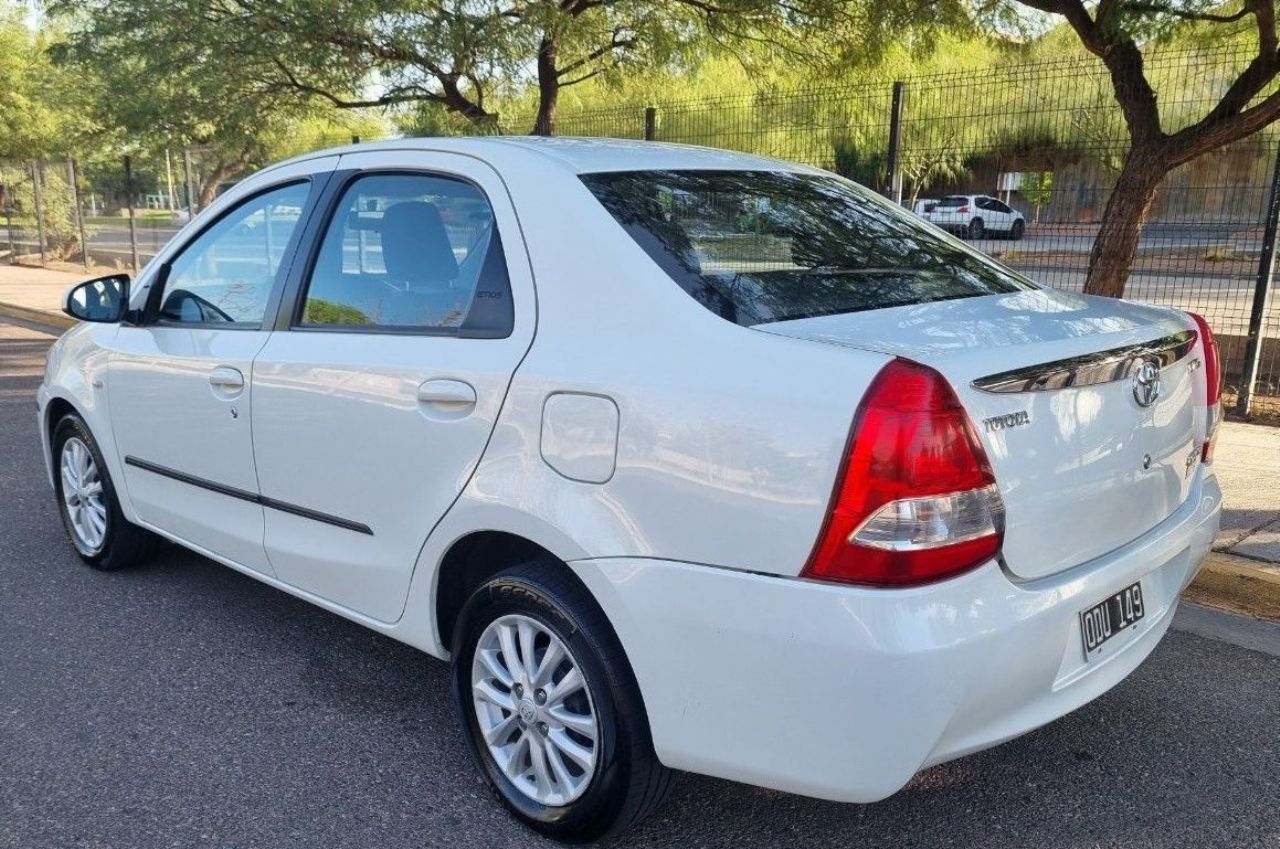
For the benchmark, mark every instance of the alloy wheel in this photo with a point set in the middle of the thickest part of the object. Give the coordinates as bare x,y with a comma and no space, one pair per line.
534,710
82,495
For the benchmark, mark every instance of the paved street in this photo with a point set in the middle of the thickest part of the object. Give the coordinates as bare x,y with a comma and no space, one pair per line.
185,705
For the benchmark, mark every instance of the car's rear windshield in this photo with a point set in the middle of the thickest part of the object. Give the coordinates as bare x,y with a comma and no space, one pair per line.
959,200
763,246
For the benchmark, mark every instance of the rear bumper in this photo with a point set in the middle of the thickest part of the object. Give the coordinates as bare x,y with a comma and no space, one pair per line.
845,693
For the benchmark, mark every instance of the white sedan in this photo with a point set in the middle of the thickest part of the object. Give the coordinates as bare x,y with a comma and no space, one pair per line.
684,459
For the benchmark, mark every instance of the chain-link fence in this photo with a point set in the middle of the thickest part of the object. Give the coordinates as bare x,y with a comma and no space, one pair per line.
1019,158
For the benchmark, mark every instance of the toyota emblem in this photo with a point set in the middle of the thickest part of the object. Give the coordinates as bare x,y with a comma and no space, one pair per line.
1146,383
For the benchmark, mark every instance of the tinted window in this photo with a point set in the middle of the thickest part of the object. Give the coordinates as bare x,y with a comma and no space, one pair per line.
225,275
765,246
412,252
954,201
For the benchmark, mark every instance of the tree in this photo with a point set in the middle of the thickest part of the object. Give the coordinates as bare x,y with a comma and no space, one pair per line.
1037,188
1115,32
458,55
940,159
34,120
156,78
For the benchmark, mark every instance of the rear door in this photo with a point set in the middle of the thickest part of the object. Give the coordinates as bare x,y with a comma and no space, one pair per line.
375,398
178,383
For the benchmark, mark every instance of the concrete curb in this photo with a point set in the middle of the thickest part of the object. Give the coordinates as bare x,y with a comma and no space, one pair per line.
1239,584
49,319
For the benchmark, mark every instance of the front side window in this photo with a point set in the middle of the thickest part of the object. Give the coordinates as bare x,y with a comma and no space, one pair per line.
410,252
763,246
225,275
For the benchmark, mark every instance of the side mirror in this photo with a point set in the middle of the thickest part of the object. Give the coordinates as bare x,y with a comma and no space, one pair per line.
103,299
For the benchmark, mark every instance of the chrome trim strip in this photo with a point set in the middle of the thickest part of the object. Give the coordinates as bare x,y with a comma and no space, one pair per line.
1090,369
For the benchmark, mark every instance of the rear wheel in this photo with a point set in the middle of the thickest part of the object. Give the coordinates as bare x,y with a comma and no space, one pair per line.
976,229
1017,230
550,706
87,500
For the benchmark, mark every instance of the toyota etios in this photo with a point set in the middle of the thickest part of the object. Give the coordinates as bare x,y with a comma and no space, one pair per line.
685,459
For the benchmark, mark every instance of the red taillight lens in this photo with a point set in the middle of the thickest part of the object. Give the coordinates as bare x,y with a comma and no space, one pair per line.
1212,384
917,499
963,209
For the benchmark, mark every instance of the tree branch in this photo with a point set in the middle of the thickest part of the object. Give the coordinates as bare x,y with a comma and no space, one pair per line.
1202,137
1185,14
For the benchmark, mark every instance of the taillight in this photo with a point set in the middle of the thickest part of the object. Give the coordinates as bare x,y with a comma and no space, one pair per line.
1212,385
916,500
963,209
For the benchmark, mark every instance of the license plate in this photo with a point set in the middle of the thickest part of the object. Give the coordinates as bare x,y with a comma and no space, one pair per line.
1109,617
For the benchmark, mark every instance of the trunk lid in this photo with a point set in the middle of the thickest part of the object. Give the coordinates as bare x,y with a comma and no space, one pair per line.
1049,379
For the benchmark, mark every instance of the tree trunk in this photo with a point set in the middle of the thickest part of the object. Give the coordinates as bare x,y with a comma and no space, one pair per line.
220,174
1117,243
548,88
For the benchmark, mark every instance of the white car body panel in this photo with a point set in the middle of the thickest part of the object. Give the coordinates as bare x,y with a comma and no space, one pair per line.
844,693
1077,459
682,466
163,406
346,386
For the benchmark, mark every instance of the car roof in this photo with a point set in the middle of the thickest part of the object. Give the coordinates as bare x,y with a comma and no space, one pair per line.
576,155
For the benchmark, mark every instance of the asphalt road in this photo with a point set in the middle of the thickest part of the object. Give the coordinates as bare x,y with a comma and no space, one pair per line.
184,705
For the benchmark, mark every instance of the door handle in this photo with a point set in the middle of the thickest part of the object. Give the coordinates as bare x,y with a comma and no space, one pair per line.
447,393
226,377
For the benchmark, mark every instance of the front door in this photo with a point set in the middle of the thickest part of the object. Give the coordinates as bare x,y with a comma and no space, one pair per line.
375,398
179,384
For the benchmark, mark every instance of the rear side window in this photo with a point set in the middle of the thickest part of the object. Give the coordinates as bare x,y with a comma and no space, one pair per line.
763,246
952,202
411,252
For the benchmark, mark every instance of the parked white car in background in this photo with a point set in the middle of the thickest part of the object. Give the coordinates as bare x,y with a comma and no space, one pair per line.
685,459
976,217
923,205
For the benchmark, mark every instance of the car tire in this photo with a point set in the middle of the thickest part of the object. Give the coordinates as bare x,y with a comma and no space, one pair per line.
571,801
1017,230
976,229
91,514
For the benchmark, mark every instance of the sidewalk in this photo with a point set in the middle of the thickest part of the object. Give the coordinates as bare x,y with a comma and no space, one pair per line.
35,294
1243,575
1247,458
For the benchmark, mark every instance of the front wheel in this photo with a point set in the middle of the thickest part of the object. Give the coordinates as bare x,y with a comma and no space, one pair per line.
87,500
550,706
1016,232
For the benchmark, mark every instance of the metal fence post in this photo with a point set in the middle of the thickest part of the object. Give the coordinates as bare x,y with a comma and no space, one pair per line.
133,228
191,186
8,226
75,200
650,123
895,143
1261,297
38,189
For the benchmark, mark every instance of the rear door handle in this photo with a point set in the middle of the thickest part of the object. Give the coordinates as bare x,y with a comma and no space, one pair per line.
453,394
226,378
